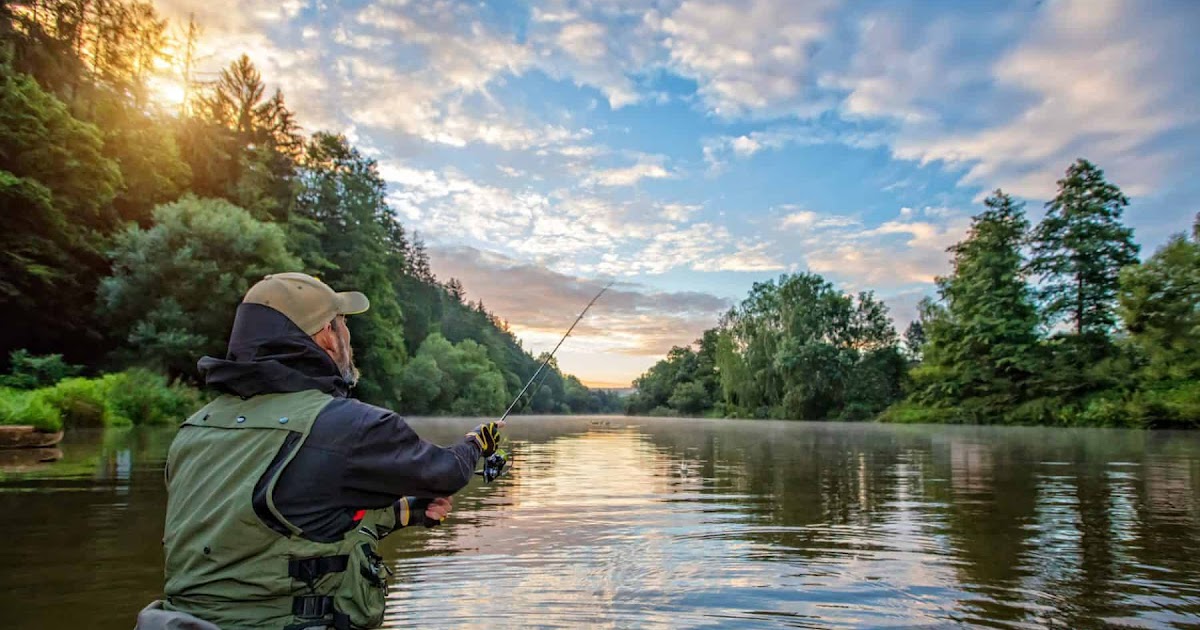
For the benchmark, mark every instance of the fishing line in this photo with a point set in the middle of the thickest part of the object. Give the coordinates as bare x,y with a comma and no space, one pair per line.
495,465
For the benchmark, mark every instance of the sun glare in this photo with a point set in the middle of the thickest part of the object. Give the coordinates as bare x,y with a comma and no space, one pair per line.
166,92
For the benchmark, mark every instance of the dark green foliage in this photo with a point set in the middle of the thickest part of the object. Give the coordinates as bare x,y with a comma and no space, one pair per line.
55,191
659,384
455,377
174,286
244,146
981,347
346,233
802,344
796,348
914,340
1158,302
689,398
26,371
145,397
984,361
1080,248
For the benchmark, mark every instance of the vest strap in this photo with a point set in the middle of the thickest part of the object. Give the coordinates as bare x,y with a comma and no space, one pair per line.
309,570
318,608
312,606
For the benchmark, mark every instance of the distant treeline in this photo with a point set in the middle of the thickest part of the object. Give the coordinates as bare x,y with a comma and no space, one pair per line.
1055,324
132,231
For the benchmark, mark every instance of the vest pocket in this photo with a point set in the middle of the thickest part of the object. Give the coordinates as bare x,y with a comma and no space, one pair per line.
363,591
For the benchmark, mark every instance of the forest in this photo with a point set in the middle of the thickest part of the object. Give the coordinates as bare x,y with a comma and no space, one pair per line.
1056,324
134,228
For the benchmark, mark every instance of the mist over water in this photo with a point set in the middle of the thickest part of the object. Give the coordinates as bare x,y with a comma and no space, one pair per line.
637,522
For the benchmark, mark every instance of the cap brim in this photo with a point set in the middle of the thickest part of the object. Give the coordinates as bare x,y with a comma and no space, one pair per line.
352,303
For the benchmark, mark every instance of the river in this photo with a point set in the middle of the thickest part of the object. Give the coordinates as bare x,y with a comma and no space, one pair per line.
639,522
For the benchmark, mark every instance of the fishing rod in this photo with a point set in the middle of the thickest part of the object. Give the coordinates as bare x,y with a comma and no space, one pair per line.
494,466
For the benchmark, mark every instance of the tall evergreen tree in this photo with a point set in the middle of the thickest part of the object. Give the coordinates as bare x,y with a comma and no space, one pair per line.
357,243
914,340
244,146
981,348
1079,249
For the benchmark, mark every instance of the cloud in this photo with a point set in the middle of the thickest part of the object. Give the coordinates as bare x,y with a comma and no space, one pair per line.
646,167
448,205
721,149
748,57
747,257
807,219
459,51
697,247
602,45
678,212
902,252
630,319
1093,79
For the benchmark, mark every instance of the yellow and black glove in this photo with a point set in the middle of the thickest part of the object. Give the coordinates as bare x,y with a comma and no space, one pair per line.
487,435
411,511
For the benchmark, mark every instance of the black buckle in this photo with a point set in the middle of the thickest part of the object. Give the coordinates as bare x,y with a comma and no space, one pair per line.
309,570
312,606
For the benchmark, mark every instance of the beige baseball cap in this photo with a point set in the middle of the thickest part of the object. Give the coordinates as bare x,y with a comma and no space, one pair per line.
305,300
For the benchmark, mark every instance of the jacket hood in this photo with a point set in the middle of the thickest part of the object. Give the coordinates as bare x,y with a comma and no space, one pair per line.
268,354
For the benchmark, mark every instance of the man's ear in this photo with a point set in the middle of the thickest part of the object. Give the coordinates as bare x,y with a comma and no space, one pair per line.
326,339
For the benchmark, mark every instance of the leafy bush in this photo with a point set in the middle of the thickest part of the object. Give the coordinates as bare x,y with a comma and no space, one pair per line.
28,407
133,397
1036,411
83,402
210,242
143,397
27,371
914,413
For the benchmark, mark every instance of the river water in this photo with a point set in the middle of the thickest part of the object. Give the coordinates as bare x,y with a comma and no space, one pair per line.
637,522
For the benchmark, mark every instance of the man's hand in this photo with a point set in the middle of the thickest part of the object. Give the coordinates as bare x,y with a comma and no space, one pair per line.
487,435
439,509
428,512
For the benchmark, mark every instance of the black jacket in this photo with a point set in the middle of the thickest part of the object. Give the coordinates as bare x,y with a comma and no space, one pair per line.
357,456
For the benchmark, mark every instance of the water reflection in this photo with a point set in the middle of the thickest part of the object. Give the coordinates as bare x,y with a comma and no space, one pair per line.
699,523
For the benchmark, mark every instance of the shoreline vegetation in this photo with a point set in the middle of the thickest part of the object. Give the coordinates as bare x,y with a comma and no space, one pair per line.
1057,324
135,227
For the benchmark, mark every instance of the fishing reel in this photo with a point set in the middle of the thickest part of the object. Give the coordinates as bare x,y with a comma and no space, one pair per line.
495,465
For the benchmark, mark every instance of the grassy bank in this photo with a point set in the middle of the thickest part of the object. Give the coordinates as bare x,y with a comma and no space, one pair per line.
1162,406
130,398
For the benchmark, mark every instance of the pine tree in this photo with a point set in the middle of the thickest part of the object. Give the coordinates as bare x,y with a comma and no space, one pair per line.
982,346
1080,248
914,340
342,193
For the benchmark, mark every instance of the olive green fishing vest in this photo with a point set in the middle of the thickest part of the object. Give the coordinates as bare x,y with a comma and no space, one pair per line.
224,564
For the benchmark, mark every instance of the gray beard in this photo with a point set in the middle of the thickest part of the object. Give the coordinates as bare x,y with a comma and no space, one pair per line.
350,375
345,364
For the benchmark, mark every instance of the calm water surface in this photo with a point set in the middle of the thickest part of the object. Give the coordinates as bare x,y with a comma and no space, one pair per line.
621,522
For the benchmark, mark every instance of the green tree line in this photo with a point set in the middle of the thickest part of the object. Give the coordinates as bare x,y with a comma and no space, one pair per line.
134,228
1058,323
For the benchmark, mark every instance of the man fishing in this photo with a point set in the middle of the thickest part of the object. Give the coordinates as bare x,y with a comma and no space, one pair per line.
280,489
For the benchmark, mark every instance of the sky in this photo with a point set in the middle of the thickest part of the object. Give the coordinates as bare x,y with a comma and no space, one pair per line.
688,149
